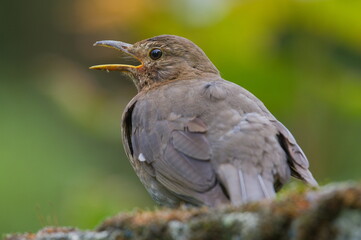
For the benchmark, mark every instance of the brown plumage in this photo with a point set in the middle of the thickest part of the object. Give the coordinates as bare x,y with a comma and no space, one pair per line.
196,138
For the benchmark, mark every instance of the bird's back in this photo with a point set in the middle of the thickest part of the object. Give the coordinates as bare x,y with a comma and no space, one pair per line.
210,142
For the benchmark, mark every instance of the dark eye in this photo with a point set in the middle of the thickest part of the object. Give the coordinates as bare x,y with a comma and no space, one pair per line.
155,53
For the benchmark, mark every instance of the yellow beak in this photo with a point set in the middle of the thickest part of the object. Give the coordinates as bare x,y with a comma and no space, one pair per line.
121,46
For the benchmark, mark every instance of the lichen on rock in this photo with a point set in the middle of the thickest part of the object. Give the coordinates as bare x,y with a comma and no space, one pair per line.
330,212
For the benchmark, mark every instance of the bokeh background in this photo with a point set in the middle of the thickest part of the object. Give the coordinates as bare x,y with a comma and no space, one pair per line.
61,157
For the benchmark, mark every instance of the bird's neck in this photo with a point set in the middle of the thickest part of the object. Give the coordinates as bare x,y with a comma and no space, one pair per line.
147,84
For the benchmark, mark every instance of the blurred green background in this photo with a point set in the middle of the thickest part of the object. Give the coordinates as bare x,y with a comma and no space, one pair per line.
61,157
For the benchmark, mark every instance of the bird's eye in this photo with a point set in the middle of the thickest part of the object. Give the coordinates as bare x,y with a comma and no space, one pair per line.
155,53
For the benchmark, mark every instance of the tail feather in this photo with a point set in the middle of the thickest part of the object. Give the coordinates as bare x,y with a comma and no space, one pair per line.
230,179
257,187
244,186
263,186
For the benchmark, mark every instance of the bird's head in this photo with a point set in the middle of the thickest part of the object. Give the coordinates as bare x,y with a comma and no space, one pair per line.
162,58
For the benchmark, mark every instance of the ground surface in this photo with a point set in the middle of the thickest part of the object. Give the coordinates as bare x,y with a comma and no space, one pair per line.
331,212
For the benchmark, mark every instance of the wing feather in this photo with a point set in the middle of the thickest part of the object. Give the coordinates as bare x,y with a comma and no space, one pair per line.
194,145
296,158
176,148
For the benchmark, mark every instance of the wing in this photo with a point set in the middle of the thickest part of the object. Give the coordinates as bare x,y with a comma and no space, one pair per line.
296,158
175,150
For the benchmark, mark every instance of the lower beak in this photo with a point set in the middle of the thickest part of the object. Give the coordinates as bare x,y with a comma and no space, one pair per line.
121,46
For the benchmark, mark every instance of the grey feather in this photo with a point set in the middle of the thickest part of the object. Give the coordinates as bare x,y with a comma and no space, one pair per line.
244,195
297,159
236,154
194,145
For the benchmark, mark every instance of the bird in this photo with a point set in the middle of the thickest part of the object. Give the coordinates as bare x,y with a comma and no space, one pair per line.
194,138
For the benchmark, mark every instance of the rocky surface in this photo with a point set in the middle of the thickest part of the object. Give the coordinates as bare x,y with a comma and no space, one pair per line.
330,212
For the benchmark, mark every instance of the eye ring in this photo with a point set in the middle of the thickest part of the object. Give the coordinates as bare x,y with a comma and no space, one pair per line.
155,53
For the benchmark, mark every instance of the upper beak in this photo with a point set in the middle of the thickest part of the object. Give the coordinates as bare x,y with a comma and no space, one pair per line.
122,46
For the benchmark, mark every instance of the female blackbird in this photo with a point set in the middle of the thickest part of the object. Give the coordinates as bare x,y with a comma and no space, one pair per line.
195,138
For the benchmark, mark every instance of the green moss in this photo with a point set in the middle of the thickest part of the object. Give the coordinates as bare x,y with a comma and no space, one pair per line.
333,211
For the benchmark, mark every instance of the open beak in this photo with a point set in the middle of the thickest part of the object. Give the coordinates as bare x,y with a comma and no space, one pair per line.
121,46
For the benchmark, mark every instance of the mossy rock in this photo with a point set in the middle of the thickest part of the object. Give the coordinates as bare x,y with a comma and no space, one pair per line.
330,212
